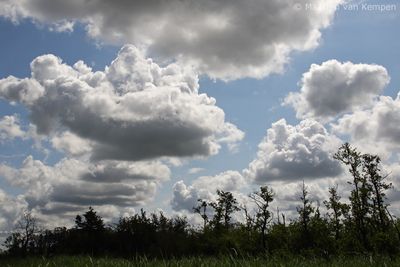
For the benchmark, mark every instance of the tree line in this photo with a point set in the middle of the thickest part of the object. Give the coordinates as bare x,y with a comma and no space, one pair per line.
360,225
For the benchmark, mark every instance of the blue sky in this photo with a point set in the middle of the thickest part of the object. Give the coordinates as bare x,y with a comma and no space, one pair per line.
250,100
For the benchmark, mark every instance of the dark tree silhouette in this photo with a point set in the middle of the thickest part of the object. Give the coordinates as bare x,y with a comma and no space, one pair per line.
378,188
201,209
360,193
262,199
305,210
338,210
23,239
89,221
225,205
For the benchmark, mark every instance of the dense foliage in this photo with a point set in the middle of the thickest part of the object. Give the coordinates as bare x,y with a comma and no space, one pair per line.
361,225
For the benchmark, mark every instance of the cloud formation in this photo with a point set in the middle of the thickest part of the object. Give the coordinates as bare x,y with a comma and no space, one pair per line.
224,39
333,88
375,129
11,209
10,128
289,153
72,185
185,196
25,91
133,110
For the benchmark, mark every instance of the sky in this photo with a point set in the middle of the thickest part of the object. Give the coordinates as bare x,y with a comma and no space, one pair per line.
122,105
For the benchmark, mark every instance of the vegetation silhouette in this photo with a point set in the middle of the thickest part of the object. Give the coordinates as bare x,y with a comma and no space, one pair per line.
360,226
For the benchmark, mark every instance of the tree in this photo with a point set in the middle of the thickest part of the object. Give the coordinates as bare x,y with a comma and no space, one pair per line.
225,205
201,209
360,194
367,198
90,233
90,221
305,210
22,240
250,219
262,199
378,186
338,210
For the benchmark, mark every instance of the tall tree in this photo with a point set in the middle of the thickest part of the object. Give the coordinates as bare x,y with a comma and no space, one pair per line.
359,197
305,210
338,210
225,205
201,209
378,186
262,199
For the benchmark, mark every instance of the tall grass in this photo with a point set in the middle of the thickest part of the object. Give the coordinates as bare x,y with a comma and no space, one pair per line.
86,261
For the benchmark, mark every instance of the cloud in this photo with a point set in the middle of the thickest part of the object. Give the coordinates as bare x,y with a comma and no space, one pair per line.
25,91
224,39
71,144
62,26
72,185
11,209
195,170
288,153
333,88
133,110
376,129
185,197
10,128
392,170
112,172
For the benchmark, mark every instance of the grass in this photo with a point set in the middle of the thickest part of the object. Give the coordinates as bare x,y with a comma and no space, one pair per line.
86,261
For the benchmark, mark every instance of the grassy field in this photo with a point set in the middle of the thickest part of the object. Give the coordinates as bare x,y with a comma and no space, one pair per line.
72,261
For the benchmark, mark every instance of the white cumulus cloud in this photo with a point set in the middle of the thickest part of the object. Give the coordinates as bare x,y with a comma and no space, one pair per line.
10,128
72,185
185,196
288,153
224,39
133,110
375,129
333,88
